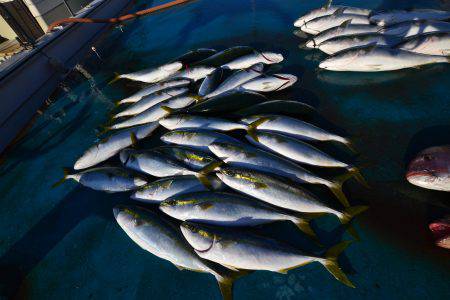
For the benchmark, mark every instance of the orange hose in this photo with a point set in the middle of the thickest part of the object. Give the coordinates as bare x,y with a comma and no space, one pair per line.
118,19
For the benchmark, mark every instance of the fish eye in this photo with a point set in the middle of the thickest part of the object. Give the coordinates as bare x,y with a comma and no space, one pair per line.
427,157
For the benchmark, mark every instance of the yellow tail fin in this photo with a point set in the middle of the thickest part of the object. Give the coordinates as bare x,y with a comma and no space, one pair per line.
116,77
251,128
210,168
331,264
226,287
350,212
304,226
335,186
358,176
59,182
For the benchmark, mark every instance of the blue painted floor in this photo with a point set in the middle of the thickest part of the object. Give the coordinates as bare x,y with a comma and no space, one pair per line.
64,242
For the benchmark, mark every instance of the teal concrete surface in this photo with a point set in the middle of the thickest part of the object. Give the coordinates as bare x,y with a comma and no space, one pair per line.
63,243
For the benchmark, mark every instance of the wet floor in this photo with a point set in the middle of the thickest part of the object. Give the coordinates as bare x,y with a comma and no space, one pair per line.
64,242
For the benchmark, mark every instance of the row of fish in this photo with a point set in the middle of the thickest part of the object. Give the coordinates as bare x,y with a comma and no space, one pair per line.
368,41
229,161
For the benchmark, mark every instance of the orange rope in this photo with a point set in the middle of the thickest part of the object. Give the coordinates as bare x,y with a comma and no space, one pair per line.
118,19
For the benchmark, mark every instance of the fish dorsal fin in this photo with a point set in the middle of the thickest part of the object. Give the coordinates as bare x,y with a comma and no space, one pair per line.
345,23
339,11
328,4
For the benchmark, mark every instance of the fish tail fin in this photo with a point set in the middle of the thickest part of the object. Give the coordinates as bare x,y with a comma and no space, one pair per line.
199,98
167,109
134,139
358,176
304,225
350,212
210,167
251,128
103,130
330,262
204,180
226,287
349,145
115,78
66,174
335,186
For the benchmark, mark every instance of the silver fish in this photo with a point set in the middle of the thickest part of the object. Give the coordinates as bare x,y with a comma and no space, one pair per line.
193,159
345,29
149,101
183,121
281,193
430,43
106,179
153,163
275,82
111,145
157,111
321,24
293,127
237,79
158,236
329,10
249,60
340,43
376,59
226,209
153,74
194,73
253,252
167,187
172,83
197,139
255,159
397,16
299,151
212,81
407,29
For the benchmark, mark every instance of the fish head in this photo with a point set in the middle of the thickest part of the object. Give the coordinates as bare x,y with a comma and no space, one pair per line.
179,207
310,43
429,168
129,216
199,238
299,22
127,156
271,57
441,232
340,60
285,80
172,121
171,136
222,150
172,67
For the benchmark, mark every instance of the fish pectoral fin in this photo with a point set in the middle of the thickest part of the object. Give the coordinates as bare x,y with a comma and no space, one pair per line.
284,271
179,267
